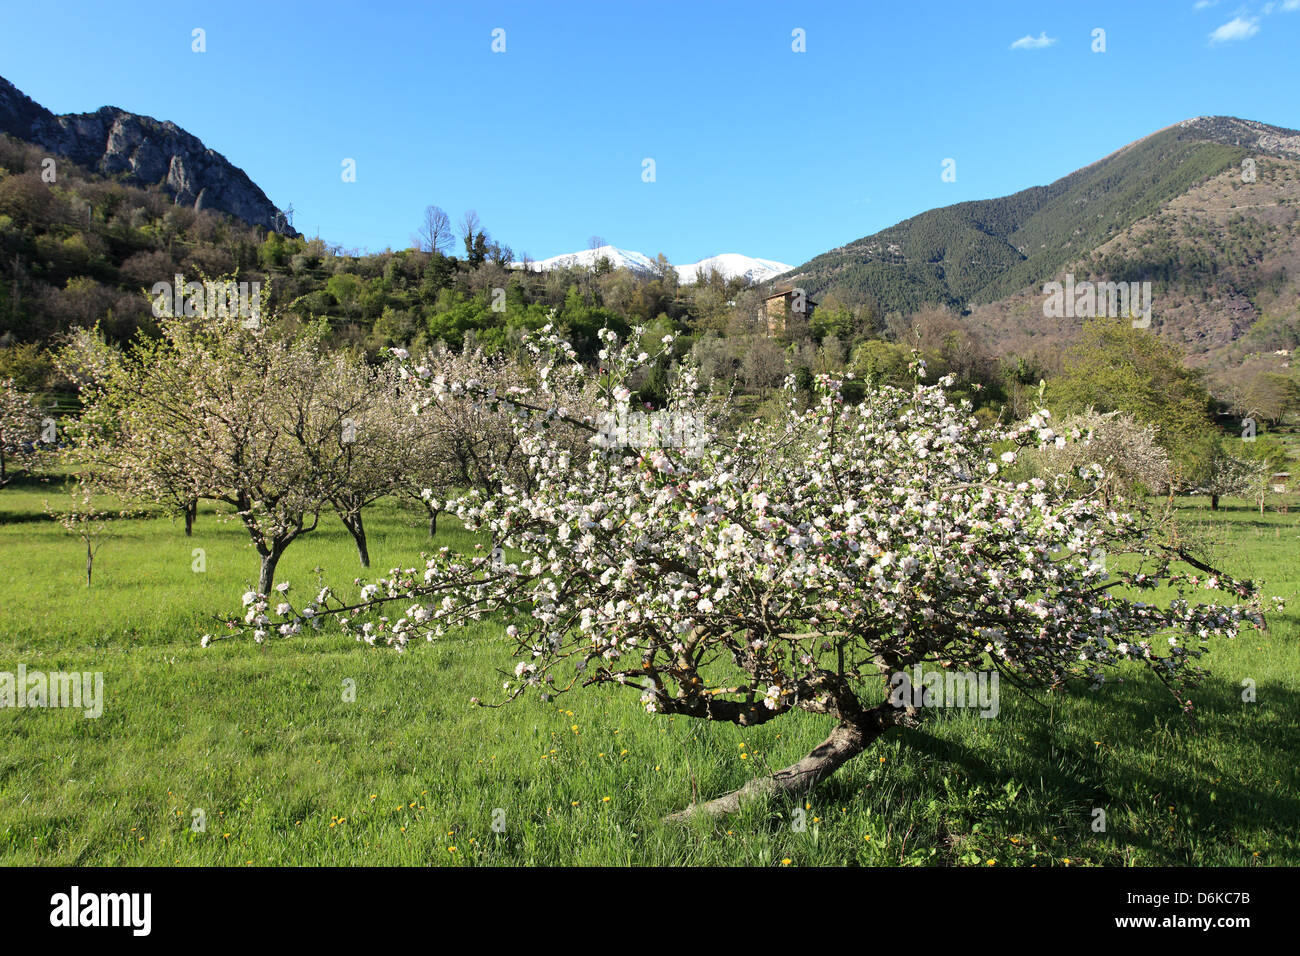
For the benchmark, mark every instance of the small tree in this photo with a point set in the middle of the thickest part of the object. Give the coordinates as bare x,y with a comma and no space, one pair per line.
103,444
1271,456
1229,475
82,519
798,564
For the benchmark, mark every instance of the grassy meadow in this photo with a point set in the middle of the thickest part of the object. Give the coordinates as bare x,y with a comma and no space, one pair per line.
288,772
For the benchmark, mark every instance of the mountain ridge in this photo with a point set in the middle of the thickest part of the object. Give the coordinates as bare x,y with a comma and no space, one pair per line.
142,151
1222,260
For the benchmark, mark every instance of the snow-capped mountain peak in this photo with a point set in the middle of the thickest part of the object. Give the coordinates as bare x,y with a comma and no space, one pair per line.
729,265
587,258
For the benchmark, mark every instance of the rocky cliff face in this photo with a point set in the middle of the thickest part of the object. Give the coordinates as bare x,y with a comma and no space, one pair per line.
143,151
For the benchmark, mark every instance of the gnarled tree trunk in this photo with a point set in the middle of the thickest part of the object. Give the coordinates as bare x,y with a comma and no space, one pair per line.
846,741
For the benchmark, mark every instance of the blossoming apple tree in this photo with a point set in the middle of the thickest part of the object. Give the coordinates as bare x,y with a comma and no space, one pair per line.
790,564
248,416
1126,450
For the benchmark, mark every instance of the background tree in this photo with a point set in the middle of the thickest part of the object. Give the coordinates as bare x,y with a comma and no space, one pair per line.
1232,475
435,231
763,365
88,360
1117,367
1125,449
372,451
474,238
19,427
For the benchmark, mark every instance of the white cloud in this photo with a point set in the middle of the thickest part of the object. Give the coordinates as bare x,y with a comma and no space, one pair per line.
1038,42
1288,6
1237,28
1206,4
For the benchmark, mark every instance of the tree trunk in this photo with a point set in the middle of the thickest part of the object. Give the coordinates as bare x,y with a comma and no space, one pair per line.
90,561
191,512
1214,502
266,578
433,524
352,521
846,741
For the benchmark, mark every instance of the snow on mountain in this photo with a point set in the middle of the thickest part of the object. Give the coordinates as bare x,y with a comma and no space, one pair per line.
619,259
730,264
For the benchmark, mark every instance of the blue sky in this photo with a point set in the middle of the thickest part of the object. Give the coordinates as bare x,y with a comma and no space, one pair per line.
757,149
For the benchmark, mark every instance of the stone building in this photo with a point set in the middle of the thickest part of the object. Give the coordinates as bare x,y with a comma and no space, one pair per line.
787,311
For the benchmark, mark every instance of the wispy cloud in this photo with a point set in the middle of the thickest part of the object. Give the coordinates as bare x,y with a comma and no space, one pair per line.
1038,42
1206,4
1290,6
1238,28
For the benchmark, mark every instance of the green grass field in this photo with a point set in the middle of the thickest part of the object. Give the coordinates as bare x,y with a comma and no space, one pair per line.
261,739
